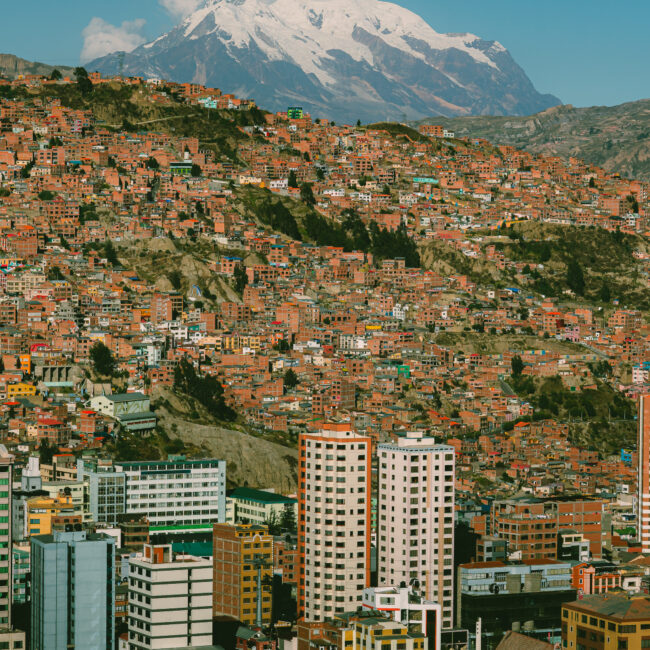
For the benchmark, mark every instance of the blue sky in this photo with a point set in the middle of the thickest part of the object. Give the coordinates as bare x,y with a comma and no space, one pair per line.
584,52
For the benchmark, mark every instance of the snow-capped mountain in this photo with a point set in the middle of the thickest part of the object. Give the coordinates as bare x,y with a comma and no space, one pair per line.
339,59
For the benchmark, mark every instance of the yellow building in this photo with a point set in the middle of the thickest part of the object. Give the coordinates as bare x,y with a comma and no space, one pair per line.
21,389
252,341
360,630
240,551
381,634
25,361
611,621
40,511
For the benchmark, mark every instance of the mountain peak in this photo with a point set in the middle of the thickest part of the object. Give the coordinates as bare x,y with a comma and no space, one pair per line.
368,59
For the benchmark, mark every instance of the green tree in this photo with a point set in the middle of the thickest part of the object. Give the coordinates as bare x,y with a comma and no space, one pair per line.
575,278
55,75
54,273
46,452
26,170
206,389
46,195
241,278
152,163
292,180
601,369
288,518
110,254
307,194
545,252
604,294
83,82
290,379
273,524
517,366
102,359
278,216
175,279
196,170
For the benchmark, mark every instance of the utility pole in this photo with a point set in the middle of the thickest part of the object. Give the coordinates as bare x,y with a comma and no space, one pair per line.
259,562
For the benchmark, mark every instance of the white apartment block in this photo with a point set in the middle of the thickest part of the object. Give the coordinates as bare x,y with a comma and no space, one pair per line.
415,518
170,601
6,563
333,521
643,478
176,496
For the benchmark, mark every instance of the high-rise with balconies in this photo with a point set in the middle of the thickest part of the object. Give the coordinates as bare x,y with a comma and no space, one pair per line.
333,521
415,518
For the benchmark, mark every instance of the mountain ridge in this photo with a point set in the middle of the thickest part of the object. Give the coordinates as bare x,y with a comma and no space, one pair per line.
616,138
369,60
11,66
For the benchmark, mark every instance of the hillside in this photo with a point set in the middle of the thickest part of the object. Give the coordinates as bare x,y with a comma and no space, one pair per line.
251,460
599,417
12,66
614,137
603,261
184,427
186,265
117,106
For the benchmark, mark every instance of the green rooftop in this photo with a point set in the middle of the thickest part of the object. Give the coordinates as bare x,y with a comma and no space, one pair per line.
250,494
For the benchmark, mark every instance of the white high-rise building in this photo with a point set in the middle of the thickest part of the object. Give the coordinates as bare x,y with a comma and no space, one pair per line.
643,497
415,518
170,600
6,563
333,521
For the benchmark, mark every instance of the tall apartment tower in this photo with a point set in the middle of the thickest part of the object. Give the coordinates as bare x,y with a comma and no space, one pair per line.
6,582
333,521
643,500
243,557
170,600
73,591
415,518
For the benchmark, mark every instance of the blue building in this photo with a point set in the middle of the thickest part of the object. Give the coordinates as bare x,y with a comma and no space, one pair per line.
73,591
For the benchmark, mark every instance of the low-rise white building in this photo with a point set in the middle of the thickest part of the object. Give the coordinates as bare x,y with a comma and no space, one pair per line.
249,506
405,605
131,410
